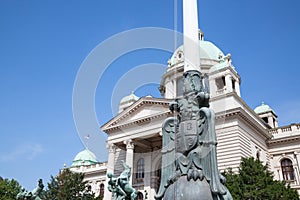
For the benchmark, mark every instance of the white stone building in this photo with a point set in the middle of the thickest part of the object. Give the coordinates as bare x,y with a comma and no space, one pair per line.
94,171
134,134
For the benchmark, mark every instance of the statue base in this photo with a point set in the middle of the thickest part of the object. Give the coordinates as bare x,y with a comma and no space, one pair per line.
183,189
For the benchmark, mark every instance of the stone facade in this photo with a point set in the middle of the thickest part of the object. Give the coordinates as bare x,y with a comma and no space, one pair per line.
134,135
95,175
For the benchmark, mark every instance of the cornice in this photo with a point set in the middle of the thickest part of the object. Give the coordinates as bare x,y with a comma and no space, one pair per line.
242,114
142,101
243,103
229,67
137,121
113,123
283,140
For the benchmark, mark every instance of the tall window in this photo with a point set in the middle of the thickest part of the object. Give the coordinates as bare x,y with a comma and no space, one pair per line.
287,169
179,87
140,169
220,83
140,196
101,189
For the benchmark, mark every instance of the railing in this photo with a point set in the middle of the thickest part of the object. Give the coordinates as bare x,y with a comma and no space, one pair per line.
221,91
286,129
293,129
102,164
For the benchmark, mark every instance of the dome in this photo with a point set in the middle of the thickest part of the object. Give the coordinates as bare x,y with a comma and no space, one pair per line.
85,157
262,108
207,51
130,98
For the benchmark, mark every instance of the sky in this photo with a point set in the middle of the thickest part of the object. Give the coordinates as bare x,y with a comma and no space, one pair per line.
45,46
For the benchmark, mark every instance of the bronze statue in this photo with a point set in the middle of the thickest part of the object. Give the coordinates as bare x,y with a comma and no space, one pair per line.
189,163
35,194
120,186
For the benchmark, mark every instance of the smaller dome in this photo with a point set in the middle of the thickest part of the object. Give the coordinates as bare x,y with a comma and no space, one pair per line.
130,98
262,108
85,157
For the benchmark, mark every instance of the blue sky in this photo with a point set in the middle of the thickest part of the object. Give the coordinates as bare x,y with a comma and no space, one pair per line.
44,43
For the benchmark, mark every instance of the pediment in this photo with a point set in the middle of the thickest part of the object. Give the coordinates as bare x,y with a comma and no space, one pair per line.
144,108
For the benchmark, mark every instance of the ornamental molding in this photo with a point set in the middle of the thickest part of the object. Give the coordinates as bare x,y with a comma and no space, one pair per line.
239,113
117,123
137,121
129,144
284,140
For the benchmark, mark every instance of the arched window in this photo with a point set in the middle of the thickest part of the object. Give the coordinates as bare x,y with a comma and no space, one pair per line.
140,196
287,169
140,170
101,190
258,155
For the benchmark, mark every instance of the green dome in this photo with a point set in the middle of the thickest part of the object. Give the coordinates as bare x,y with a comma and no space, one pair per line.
207,51
130,98
262,108
85,157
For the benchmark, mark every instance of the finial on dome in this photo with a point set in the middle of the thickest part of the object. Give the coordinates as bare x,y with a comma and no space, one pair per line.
200,35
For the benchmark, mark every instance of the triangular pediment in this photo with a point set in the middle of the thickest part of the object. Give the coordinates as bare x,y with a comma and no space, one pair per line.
146,107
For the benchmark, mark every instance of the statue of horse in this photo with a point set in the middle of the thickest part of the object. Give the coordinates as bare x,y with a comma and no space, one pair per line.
34,194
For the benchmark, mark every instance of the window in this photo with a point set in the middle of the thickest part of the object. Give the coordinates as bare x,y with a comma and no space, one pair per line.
265,119
220,82
258,155
179,87
233,84
287,169
101,189
140,196
205,82
140,169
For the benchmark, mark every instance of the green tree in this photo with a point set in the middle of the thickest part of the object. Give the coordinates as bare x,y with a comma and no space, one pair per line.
68,186
9,189
255,182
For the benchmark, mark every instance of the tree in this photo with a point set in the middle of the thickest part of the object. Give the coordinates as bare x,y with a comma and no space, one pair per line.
256,182
9,189
68,186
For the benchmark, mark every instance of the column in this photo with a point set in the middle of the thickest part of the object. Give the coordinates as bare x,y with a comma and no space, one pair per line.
276,123
110,168
213,87
270,121
228,82
237,88
297,174
129,156
147,179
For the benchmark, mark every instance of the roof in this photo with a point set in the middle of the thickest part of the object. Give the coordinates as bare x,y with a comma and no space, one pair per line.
85,157
262,108
127,115
208,50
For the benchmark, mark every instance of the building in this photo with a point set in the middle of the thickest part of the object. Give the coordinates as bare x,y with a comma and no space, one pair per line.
134,134
95,172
